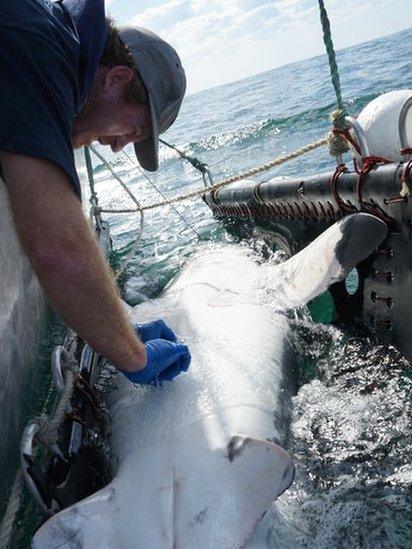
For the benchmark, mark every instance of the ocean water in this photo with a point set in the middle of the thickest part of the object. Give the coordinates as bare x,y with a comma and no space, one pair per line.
351,430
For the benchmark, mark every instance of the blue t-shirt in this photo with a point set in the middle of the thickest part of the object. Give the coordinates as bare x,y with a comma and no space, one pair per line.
49,53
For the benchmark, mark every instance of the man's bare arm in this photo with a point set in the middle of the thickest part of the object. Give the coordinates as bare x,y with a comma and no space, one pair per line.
67,259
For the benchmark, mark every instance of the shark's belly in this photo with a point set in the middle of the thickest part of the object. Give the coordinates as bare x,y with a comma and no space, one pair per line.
177,444
240,370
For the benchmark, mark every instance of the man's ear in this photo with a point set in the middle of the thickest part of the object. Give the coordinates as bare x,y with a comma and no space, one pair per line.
116,76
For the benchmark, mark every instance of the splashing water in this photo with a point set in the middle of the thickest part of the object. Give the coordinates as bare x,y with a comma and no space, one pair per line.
351,436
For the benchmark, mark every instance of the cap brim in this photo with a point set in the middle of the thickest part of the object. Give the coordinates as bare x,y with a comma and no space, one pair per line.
147,151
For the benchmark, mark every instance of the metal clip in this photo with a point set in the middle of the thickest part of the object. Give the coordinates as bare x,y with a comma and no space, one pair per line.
59,357
388,252
360,137
33,475
384,323
207,176
395,200
382,275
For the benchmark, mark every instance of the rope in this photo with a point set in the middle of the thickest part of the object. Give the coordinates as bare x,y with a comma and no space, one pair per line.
13,506
94,201
93,195
369,163
343,207
124,186
49,428
196,163
132,251
199,192
327,39
242,175
338,137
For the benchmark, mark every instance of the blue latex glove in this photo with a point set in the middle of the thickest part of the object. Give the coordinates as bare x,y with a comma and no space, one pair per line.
165,360
156,329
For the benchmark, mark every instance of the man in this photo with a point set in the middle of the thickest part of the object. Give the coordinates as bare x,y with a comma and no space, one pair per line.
69,77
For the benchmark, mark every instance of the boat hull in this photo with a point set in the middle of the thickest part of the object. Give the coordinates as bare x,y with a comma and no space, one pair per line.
22,322
23,315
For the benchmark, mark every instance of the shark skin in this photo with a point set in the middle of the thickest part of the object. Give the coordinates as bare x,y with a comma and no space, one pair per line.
199,459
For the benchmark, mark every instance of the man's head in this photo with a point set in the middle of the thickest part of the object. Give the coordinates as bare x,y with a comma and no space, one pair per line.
136,94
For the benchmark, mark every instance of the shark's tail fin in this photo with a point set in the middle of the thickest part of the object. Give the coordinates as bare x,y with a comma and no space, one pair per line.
89,523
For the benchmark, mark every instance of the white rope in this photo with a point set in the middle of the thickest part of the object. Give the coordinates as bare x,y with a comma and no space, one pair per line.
49,428
242,175
13,506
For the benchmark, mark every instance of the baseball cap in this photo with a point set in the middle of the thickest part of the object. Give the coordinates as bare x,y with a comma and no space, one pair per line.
162,73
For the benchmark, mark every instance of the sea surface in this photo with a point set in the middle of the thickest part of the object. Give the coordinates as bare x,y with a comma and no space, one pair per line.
351,430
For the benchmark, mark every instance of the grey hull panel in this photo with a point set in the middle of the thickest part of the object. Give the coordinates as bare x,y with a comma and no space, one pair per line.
22,321
23,312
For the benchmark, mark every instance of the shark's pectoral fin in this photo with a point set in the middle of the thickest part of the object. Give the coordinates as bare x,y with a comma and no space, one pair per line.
222,494
328,259
266,467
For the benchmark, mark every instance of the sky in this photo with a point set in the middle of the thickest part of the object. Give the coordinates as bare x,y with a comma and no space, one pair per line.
221,41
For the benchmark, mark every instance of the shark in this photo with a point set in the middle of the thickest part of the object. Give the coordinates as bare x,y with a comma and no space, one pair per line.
199,460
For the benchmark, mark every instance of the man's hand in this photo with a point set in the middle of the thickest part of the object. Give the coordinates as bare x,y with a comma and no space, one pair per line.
155,329
165,360
166,357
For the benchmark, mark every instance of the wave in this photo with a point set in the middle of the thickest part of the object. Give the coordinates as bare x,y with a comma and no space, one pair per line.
272,127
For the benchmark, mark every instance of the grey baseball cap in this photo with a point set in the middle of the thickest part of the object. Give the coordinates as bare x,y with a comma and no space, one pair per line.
162,73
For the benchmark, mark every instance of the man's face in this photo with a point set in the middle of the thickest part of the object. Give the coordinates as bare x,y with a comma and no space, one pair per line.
108,118
129,123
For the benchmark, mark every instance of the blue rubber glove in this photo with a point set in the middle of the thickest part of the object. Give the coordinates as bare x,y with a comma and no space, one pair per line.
165,360
156,329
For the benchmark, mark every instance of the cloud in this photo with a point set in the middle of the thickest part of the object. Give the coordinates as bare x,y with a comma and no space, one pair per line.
222,40
164,16
212,31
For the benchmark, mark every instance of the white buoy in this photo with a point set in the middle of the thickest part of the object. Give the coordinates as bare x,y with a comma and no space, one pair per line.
387,124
